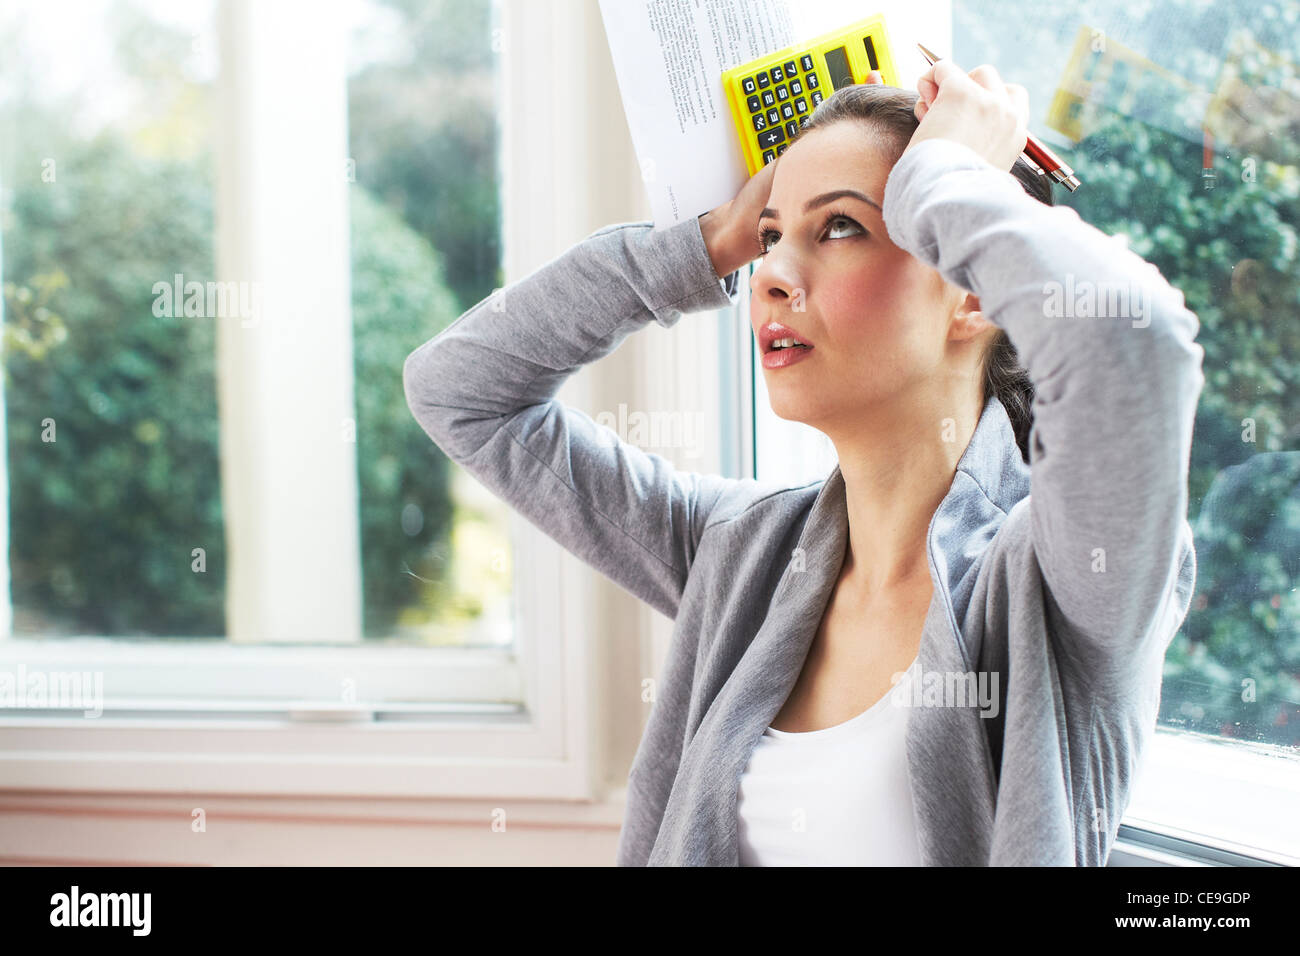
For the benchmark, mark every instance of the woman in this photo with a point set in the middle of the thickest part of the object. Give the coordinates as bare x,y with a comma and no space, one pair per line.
1030,630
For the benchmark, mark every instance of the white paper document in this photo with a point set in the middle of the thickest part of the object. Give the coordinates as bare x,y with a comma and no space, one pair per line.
669,56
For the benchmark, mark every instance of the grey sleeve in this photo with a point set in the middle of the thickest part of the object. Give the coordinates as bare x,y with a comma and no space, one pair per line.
1116,393
484,391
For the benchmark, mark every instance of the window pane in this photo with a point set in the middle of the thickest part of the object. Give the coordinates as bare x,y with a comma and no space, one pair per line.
107,176
1182,119
426,245
1217,214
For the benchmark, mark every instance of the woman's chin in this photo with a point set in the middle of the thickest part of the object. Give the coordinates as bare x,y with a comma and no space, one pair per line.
789,411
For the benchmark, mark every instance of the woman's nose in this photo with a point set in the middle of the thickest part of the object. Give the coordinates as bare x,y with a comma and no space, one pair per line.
772,280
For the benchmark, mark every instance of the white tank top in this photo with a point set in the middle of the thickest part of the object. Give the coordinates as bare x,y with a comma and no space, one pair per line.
840,796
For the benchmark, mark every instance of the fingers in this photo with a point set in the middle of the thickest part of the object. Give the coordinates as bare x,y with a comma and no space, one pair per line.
1020,97
926,85
945,71
927,89
987,77
975,108
942,74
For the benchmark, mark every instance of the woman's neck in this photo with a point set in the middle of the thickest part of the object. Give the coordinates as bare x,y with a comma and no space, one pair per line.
894,481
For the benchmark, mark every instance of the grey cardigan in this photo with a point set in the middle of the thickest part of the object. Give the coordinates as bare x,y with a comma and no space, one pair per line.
1061,602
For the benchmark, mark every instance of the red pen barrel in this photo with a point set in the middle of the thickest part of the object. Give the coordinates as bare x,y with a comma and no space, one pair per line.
1051,164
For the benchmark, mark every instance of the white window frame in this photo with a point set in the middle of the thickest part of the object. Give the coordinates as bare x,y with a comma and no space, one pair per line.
269,720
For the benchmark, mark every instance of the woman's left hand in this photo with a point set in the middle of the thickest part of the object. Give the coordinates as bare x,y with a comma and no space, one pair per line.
977,109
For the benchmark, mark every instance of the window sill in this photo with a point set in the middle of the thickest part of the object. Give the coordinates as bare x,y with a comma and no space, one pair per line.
604,812
272,721
97,829
469,758
1219,800
251,744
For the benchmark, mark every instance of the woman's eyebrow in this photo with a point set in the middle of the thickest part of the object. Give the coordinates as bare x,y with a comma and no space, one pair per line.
823,199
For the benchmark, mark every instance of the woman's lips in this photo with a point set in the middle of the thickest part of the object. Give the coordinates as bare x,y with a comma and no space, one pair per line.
772,332
781,358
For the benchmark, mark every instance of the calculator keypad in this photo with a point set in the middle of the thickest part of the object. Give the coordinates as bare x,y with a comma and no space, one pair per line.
781,100
771,137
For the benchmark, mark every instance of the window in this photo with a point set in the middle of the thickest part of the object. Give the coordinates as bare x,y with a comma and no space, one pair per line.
221,511
117,504
1181,119
426,245
110,403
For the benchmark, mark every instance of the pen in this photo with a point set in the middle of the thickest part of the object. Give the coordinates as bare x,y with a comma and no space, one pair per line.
1034,151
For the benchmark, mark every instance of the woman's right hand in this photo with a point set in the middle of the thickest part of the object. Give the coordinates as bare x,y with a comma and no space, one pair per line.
731,230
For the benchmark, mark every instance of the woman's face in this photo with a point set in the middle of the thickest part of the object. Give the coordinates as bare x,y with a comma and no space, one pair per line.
877,318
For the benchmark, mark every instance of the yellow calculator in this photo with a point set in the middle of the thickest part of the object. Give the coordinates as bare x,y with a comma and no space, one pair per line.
772,97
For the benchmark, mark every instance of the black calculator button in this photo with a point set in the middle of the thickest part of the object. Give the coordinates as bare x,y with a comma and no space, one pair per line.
773,117
760,122
782,148
803,121
812,81
807,61
801,105
791,70
748,85
796,87
768,157
754,104
763,81
782,93
777,74
792,129
769,98
787,110
816,98
771,137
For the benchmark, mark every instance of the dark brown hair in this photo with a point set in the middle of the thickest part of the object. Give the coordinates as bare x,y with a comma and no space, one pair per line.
889,112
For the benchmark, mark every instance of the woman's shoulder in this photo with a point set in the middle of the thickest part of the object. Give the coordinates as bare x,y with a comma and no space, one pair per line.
748,502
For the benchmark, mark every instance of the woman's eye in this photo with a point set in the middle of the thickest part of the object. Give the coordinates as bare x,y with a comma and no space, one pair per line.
768,236
830,227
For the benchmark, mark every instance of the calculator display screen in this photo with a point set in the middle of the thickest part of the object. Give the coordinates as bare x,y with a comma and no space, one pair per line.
837,62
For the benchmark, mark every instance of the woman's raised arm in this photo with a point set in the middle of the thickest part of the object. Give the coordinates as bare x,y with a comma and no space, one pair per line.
1109,346
484,391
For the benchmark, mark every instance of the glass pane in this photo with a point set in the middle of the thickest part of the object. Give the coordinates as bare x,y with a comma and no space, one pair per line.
110,407
426,245
1185,130
1182,119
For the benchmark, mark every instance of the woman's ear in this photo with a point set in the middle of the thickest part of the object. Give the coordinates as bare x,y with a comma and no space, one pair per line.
968,321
